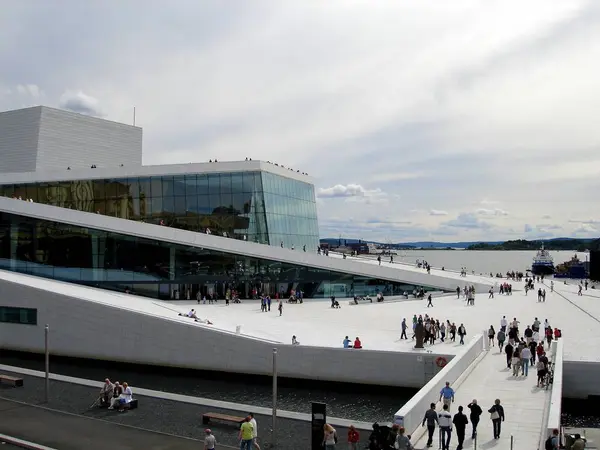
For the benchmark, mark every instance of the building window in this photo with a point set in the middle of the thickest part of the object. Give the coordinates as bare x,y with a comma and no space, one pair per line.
24,316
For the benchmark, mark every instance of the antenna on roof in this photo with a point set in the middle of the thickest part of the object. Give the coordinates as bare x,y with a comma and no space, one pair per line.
134,116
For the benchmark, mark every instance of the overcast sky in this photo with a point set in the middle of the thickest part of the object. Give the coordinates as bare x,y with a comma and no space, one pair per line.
419,120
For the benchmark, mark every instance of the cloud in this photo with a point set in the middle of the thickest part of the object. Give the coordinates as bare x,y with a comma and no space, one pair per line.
437,212
349,190
586,230
29,89
79,102
491,212
585,222
488,202
527,228
546,216
214,79
467,221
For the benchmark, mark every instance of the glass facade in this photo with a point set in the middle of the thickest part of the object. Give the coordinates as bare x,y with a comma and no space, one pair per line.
255,206
162,270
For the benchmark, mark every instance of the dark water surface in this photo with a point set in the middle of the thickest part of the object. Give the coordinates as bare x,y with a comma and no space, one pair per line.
352,401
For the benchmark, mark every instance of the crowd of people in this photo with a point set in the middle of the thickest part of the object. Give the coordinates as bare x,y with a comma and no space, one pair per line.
522,350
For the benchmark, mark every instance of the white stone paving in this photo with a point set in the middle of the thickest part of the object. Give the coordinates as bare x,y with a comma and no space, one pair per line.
377,324
453,274
523,404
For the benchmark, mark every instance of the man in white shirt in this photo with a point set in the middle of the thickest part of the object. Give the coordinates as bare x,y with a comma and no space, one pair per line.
503,323
445,422
254,432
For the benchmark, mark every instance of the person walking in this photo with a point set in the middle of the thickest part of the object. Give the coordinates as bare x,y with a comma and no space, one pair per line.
553,442
402,441
429,301
460,422
245,436
329,437
431,418
516,362
404,326
509,350
491,335
501,336
462,332
525,360
445,421
475,415
255,430
497,417
209,440
447,395
353,438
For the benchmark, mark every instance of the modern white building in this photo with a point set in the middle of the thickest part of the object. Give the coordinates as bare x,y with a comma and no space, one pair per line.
47,139
95,215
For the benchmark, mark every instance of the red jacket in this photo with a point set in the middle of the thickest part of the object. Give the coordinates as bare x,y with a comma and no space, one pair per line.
353,436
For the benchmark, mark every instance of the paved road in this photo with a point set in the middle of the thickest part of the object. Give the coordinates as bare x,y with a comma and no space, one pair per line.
163,416
71,432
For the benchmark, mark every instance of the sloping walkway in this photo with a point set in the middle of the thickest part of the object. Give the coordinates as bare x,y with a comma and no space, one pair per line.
524,405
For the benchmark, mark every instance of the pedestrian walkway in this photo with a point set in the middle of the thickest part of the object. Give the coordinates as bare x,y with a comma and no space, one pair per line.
55,429
524,405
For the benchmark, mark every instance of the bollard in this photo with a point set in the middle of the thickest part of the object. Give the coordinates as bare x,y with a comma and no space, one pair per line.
512,441
475,443
47,363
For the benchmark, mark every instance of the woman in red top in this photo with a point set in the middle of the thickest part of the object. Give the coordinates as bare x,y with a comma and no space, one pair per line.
357,343
353,438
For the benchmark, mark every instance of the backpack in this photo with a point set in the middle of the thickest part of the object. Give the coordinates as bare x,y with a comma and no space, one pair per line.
549,445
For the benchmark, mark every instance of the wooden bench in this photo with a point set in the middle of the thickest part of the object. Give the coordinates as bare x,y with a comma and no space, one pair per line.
16,382
207,417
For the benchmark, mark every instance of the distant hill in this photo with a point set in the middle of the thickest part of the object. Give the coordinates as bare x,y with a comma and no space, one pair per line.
579,245
561,243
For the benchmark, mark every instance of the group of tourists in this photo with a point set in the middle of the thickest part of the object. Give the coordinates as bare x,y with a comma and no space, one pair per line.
433,329
445,421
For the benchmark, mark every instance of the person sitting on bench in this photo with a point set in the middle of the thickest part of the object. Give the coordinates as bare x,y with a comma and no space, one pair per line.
124,399
295,341
106,392
117,391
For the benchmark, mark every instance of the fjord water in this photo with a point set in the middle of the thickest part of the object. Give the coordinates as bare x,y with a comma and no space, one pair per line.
481,261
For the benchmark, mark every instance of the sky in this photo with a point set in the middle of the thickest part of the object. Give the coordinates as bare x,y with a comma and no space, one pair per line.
418,120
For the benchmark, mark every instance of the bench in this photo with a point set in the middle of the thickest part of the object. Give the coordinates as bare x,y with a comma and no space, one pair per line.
16,382
133,404
206,418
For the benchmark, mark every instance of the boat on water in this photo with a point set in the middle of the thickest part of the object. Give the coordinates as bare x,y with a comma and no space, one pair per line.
543,263
573,269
